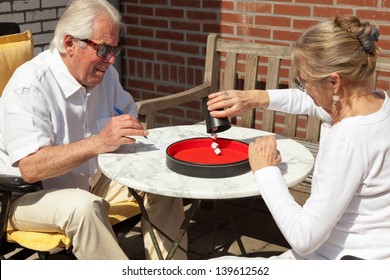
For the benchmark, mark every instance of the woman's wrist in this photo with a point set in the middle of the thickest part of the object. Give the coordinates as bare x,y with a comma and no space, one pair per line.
260,98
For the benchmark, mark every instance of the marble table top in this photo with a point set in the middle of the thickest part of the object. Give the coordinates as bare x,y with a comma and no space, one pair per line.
142,165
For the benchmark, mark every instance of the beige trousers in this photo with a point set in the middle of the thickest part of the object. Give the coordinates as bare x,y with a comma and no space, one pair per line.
83,217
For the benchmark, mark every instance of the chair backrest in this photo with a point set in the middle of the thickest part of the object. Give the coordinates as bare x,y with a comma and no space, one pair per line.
15,49
244,65
9,28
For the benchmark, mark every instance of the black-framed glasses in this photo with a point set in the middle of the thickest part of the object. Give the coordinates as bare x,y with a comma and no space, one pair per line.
102,50
298,84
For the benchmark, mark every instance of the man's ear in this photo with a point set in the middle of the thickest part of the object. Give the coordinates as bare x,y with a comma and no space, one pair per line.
69,44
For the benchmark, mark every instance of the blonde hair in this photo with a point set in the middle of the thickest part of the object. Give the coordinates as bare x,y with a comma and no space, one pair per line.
344,45
79,18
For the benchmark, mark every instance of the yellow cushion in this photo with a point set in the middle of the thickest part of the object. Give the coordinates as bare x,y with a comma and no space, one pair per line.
47,241
15,49
123,210
39,241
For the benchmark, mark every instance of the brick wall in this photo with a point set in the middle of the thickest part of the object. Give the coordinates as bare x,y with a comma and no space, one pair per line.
39,16
165,41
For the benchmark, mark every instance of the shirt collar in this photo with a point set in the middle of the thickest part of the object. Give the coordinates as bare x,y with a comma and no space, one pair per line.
62,75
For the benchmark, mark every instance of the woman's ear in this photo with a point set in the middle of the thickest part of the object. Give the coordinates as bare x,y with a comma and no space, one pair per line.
334,81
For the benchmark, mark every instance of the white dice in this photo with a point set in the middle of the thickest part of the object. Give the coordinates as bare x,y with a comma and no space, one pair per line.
217,151
214,136
214,145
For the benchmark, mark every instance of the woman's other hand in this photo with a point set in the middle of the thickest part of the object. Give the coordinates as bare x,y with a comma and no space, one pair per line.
263,152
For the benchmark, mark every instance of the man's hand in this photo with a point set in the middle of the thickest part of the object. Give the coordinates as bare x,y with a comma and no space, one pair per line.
118,131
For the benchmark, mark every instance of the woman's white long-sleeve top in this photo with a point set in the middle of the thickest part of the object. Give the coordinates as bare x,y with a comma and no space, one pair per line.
348,212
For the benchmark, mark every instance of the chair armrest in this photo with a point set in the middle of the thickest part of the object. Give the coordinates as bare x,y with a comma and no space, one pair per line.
153,105
10,183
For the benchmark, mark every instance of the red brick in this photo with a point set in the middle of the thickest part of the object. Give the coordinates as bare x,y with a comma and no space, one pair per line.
171,13
201,15
384,45
195,61
139,69
364,3
144,32
286,35
303,24
196,37
236,18
330,12
296,10
130,42
374,14
171,35
195,115
131,20
157,71
318,2
142,84
271,21
139,10
154,2
141,54
184,48
154,44
254,32
212,4
254,7
165,72
217,28
173,73
152,22
148,70
170,58
123,2
185,25
186,3
384,29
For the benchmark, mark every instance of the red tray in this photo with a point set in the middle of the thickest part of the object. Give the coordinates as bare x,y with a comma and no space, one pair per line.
195,157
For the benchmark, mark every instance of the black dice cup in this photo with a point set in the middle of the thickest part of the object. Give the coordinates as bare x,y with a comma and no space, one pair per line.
215,125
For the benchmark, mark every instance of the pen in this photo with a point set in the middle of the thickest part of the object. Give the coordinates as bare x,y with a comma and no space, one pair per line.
121,113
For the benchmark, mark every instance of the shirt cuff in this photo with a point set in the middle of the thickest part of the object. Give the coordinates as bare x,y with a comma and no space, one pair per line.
277,97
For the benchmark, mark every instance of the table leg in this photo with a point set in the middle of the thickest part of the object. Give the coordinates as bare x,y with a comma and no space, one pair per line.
150,226
236,225
148,223
183,228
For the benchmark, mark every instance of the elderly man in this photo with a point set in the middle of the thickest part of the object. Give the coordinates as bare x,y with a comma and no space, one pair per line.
56,115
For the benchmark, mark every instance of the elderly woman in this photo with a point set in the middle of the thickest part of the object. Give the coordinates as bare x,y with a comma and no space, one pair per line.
348,212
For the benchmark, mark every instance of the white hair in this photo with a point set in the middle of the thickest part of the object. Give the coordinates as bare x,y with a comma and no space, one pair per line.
79,18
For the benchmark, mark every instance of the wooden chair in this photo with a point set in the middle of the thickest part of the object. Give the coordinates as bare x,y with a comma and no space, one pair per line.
16,49
232,64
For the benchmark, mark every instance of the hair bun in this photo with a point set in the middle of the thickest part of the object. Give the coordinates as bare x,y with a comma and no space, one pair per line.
368,42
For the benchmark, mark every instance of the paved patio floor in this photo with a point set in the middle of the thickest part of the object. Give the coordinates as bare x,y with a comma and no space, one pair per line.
226,227
219,228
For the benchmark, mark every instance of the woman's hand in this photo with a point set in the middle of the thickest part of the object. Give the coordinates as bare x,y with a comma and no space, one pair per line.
235,102
263,152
